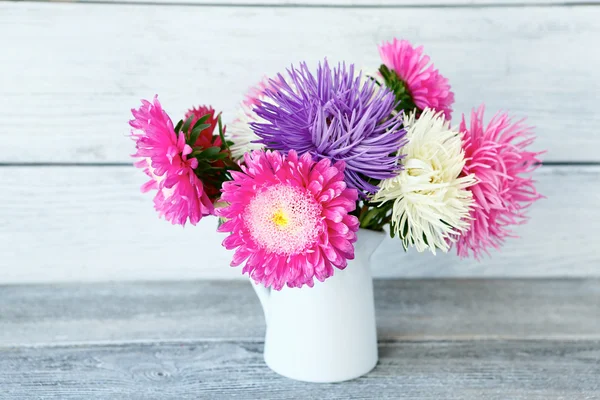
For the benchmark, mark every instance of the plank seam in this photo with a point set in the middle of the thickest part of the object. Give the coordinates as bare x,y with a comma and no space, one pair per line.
381,342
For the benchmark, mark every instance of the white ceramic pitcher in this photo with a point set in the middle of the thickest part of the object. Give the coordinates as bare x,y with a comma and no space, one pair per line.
326,333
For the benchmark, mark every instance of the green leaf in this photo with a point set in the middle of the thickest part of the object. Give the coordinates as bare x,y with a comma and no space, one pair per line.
186,125
222,134
202,121
178,127
209,153
203,166
374,216
399,88
198,128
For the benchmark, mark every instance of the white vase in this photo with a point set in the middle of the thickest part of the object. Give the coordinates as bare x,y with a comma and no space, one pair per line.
326,333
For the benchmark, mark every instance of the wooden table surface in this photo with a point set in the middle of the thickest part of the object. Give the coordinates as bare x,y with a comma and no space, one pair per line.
439,339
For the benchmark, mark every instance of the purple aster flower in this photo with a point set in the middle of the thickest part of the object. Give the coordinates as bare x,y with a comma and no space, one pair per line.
336,115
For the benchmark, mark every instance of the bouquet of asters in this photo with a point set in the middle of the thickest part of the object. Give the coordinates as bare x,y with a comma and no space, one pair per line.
314,155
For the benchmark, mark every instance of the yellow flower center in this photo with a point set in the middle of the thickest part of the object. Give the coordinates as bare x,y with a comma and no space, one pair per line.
283,219
280,219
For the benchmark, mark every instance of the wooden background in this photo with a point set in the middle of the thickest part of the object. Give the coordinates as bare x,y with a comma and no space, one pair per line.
70,207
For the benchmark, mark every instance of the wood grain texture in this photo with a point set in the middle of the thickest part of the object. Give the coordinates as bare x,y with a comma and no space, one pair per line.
92,224
407,310
347,3
71,72
516,370
439,339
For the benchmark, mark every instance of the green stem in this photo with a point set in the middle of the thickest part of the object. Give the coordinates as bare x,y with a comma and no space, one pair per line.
222,134
367,219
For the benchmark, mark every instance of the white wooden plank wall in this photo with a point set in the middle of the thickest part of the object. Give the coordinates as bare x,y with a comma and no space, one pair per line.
81,67
70,208
350,3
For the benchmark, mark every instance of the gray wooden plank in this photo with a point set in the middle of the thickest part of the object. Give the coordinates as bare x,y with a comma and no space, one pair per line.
79,68
530,370
77,224
219,310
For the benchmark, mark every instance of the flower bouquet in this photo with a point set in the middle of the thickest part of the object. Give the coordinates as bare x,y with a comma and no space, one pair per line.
317,159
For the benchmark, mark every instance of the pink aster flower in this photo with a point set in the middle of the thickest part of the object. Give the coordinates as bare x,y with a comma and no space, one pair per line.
502,166
164,158
255,94
288,218
427,88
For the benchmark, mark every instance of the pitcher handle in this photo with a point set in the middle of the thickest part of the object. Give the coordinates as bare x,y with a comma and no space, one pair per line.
263,296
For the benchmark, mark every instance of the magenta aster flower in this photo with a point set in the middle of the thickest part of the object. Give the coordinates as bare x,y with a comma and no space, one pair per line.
288,218
335,115
164,158
502,166
426,87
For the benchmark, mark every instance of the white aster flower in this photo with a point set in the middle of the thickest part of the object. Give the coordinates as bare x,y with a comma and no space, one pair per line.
242,135
239,131
431,201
